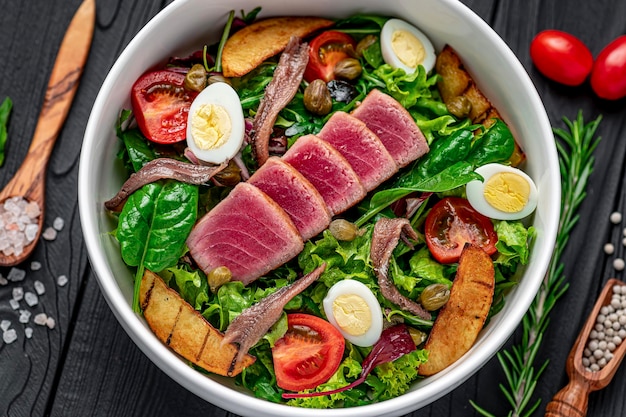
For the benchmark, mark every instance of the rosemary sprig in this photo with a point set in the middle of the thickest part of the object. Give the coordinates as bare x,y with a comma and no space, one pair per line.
576,160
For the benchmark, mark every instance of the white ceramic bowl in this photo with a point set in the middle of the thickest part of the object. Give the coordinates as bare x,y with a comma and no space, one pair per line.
186,24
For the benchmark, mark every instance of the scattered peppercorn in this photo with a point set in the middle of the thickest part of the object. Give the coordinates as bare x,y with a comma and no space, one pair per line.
616,217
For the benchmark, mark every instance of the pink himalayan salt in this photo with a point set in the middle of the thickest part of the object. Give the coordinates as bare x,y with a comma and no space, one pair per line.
18,224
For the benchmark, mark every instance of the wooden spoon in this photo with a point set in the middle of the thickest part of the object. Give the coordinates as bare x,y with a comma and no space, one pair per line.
29,180
573,399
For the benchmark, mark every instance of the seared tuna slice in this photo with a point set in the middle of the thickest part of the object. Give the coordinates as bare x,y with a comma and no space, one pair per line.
247,232
295,194
328,171
393,124
361,147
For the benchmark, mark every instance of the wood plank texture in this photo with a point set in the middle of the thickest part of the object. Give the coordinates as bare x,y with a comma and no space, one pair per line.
88,366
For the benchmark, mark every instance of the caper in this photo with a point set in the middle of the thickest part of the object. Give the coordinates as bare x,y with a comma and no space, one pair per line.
218,79
229,176
195,79
459,106
418,336
365,43
341,229
435,296
218,277
317,98
348,69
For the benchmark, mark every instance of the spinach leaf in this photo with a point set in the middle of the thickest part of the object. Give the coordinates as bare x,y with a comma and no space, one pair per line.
450,178
138,149
495,145
154,225
361,24
251,15
373,55
5,111
443,153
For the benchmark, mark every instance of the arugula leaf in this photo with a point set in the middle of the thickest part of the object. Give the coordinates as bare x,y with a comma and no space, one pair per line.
5,111
154,225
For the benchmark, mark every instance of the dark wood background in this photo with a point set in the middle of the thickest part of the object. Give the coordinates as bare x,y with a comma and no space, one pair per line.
88,366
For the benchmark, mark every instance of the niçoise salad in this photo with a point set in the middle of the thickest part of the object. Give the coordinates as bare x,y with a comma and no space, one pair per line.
340,334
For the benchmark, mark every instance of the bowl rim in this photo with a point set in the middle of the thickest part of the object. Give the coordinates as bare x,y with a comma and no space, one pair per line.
212,390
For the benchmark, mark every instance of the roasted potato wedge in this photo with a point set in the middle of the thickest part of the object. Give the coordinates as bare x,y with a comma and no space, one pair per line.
248,48
455,82
182,328
461,319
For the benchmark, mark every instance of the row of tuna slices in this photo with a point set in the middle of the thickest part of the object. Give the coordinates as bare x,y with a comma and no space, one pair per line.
264,222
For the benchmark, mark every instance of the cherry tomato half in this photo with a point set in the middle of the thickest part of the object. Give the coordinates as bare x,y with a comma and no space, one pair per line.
451,223
325,51
608,77
308,354
562,57
160,104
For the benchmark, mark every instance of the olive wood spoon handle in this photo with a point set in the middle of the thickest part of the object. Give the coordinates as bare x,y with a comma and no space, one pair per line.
29,180
572,400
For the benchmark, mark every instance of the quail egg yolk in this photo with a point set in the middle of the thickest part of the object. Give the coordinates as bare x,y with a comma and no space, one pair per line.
352,314
407,48
210,126
507,192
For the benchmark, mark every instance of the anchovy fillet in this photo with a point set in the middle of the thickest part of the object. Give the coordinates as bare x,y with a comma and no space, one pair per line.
162,168
387,233
250,326
278,93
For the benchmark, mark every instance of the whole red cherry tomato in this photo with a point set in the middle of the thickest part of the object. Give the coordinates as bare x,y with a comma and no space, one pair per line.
562,57
451,223
325,51
161,104
608,77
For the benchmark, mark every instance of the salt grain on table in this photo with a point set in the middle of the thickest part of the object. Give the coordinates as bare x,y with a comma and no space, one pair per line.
28,332
18,293
9,336
62,280
3,280
35,266
39,287
50,323
49,233
14,304
16,274
4,325
58,224
40,319
31,299
24,316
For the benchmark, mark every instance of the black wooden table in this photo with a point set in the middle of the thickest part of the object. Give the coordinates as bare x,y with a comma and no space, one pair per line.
87,366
